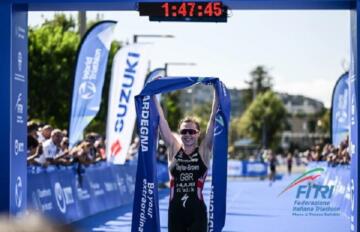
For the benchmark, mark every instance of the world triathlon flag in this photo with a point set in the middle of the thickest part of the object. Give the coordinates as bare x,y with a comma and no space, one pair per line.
340,119
127,79
89,77
146,204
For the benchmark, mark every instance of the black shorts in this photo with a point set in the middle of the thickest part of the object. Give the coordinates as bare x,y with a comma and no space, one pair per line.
272,168
192,219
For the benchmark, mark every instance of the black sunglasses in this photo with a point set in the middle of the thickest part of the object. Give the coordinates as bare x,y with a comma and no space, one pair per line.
188,131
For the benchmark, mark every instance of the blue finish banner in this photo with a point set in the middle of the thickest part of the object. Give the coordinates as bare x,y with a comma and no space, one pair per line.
89,78
71,193
340,118
146,203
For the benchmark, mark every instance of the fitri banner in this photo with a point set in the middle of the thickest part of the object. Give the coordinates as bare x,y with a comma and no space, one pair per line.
128,75
89,78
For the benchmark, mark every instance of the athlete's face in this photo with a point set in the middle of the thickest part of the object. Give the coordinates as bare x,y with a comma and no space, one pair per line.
189,133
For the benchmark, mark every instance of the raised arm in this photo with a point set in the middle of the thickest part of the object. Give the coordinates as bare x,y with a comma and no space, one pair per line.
206,144
170,141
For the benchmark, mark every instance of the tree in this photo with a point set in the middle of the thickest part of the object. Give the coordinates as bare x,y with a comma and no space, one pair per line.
323,124
52,52
172,110
260,82
234,132
264,119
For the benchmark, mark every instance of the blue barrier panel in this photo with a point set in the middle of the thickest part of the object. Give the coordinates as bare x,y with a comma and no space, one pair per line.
162,172
235,168
255,168
339,177
72,193
245,168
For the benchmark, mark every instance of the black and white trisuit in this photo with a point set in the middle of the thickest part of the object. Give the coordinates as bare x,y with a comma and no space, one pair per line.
187,210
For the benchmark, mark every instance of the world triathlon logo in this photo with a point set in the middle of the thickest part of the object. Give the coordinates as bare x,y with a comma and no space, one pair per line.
87,90
219,125
60,197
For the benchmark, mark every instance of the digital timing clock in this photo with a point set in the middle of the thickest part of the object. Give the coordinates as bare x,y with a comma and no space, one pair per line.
184,11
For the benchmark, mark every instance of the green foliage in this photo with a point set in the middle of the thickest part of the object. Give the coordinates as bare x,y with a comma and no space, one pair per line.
202,114
52,52
263,119
234,132
172,110
324,122
260,79
260,82
61,21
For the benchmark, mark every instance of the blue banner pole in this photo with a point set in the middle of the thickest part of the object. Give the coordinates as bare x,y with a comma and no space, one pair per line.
354,124
13,95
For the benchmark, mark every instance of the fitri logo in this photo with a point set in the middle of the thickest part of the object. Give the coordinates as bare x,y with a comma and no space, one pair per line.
60,197
18,192
87,90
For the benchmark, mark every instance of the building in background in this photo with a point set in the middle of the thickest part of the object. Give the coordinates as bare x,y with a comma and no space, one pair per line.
302,121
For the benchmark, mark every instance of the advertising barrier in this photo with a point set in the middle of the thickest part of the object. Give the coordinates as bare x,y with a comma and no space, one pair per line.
339,177
74,192
245,168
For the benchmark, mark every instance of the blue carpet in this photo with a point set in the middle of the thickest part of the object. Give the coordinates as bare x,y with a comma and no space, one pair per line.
252,206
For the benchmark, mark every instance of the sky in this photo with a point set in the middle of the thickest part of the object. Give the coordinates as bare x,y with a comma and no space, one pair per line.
304,51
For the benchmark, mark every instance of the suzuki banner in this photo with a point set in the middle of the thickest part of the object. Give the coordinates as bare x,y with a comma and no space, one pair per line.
128,76
340,119
89,78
